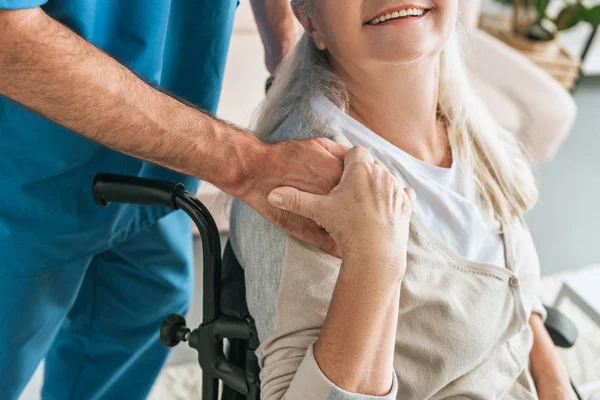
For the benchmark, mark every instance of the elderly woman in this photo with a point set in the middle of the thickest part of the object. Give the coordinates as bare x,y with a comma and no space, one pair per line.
435,303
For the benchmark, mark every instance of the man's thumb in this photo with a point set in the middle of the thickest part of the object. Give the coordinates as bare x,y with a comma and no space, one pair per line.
292,199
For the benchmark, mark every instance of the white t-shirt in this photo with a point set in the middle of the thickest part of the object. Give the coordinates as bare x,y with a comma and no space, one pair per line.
447,201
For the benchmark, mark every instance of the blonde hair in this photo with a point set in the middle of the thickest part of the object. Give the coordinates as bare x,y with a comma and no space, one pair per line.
490,154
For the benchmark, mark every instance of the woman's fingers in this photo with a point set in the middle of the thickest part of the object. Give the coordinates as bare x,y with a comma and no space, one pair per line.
412,195
408,204
301,203
312,233
309,206
358,155
368,203
338,150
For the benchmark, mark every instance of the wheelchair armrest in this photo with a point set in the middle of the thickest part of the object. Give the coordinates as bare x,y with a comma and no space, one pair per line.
561,329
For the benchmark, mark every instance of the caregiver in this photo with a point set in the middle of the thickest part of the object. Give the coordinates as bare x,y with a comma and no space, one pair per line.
87,288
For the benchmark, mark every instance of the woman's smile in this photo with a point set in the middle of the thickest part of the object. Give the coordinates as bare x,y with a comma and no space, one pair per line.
398,14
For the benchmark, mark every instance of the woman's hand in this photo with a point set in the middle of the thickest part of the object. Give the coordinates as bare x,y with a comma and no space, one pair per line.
366,213
550,376
312,165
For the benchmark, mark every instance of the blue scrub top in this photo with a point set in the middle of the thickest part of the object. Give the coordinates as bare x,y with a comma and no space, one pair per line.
47,215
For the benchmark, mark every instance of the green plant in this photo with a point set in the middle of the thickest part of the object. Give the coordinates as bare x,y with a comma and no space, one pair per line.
545,27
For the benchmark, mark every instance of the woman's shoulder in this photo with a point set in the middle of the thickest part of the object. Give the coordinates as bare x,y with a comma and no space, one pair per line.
260,248
250,232
273,262
304,124
260,245
254,239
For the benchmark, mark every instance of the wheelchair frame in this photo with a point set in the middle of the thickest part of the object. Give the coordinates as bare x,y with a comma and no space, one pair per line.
207,339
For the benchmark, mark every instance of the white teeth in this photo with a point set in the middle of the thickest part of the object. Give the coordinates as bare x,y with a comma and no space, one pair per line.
408,12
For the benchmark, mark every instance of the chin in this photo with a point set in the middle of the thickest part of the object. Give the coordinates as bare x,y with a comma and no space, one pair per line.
405,51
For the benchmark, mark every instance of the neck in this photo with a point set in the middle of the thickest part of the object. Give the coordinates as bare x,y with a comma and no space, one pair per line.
399,103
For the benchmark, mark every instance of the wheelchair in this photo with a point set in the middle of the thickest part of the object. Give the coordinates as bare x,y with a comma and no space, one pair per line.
225,314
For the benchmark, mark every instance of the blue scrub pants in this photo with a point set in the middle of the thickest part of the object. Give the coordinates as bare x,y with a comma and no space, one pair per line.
96,320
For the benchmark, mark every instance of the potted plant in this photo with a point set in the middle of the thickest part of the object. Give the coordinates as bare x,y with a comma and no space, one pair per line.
534,29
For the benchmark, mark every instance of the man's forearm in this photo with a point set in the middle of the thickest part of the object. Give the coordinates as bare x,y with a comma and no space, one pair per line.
51,70
277,27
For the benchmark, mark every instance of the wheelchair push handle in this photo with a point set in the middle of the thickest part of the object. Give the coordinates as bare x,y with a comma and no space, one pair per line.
108,188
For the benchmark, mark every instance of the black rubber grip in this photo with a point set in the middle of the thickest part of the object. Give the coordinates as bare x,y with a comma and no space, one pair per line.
108,188
561,329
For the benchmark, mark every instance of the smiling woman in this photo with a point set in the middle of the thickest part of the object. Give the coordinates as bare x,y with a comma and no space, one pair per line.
461,317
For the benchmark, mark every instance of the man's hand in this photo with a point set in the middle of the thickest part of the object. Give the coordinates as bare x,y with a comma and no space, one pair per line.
311,165
277,26
51,70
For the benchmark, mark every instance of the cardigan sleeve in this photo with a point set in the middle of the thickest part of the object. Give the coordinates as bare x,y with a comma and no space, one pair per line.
538,308
289,285
309,382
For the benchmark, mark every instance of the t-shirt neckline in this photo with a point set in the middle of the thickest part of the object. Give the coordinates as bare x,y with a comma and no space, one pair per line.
325,109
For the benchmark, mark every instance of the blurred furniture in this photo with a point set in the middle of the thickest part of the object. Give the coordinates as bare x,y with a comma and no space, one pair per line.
520,95
584,291
588,44
551,56
581,41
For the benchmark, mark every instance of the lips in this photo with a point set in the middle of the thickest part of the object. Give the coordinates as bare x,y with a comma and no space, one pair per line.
404,12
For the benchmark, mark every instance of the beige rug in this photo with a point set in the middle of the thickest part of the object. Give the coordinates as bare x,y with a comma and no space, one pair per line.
183,382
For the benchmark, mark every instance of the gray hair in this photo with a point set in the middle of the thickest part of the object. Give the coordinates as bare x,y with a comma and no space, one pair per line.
302,74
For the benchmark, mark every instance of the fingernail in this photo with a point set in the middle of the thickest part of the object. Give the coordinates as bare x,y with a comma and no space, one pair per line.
275,200
337,252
